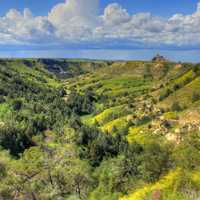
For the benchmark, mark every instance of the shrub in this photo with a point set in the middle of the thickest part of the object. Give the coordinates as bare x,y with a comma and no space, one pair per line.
196,69
176,87
176,107
187,80
154,161
165,94
2,99
143,120
17,104
195,97
14,140
3,92
187,154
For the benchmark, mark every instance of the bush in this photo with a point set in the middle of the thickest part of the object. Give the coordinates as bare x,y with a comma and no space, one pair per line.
176,87
176,107
195,97
154,161
17,104
187,80
2,99
97,145
14,140
3,92
165,94
187,154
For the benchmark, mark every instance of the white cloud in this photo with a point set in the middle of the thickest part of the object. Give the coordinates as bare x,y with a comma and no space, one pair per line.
79,11
145,28
24,28
115,15
76,21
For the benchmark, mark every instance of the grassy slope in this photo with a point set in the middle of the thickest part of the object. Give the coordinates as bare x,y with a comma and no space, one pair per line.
35,74
183,95
119,123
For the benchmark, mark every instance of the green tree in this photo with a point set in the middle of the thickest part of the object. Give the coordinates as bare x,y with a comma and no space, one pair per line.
154,162
14,140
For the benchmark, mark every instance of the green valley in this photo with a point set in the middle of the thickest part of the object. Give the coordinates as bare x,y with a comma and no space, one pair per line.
75,129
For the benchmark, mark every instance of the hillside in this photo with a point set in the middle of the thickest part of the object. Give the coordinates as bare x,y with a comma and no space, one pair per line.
99,130
68,68
146,102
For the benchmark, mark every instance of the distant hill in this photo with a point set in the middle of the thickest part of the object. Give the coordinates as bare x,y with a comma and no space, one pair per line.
62,68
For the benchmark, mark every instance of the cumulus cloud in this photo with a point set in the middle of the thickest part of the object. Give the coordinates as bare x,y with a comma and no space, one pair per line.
114,15
16,27
77,21
74,19
77,11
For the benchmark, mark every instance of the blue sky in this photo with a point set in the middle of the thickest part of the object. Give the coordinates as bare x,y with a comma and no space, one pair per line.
157,7
116,29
